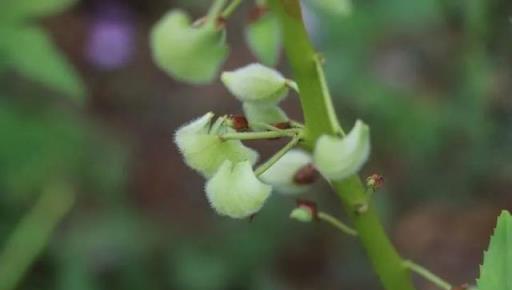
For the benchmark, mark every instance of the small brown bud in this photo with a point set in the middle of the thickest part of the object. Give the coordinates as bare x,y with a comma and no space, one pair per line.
283,125
239,122
375,181
306,175
220,22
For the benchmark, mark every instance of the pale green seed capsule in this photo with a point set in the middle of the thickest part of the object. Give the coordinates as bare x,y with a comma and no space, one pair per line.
261,113
264,38
282,174
301,214
187,53
338,158
204,151
235,191
256,83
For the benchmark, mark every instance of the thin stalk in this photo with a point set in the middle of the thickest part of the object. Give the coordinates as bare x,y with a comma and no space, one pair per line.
258,135
215,11
319,115
231,8
272,160
31,235
342,227
425,273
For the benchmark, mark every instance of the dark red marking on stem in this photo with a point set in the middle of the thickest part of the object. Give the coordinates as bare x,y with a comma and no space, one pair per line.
257,12
283,125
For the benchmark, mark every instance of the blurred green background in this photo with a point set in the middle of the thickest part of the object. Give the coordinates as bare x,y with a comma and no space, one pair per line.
94,195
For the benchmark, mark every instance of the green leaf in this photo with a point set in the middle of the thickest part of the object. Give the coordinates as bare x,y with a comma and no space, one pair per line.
497,267
333,7
264,38
20,10
30,52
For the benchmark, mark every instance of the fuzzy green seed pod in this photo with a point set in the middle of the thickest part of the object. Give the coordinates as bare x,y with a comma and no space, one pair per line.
257,83
188,53
203,149
282,174
235,191
261,113
338,158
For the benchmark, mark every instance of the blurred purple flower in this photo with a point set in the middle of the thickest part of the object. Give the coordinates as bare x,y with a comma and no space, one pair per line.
111,38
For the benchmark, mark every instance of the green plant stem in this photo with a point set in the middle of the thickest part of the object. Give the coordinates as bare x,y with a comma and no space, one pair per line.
323,216
215,11
319,115
425,273
272,160
231,8
259,135
31,235
416,268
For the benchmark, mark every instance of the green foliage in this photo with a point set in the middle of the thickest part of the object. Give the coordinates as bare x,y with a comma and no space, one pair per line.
39,148
18,11
333,7
497,266
48,145
30,52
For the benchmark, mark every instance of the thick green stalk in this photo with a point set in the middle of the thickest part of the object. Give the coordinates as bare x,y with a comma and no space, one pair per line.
320,119
31,235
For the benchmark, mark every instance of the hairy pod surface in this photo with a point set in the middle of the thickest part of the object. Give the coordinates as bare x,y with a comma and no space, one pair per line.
235,191
188,53
205,151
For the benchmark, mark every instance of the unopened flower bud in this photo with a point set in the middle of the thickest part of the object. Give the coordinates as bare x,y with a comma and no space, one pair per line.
258,114
338,158
235,191
239,122
203,149
263,35
282,175
306,211
302,214
188,53
257,83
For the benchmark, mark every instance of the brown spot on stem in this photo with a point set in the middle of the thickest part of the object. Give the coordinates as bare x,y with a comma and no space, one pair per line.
292,8
257,12
283,125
